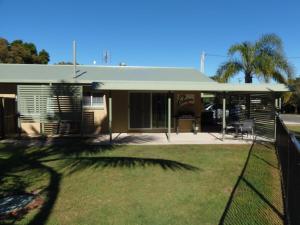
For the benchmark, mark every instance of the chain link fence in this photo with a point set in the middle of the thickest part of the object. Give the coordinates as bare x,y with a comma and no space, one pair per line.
288,150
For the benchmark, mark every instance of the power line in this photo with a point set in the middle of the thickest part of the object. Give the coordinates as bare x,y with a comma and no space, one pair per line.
216,55
225,56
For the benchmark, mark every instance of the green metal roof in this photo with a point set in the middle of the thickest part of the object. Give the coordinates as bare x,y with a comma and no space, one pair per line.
33,73
127,78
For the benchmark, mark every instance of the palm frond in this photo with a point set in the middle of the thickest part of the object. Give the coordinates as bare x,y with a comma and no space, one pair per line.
246,52
228,70
270,61
269,42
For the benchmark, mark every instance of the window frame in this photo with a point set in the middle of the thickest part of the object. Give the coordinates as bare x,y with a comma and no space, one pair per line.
91,95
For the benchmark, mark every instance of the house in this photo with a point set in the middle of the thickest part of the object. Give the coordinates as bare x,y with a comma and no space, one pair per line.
90,100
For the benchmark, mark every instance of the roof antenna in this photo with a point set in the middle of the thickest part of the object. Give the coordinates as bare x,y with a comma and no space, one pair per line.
74,58
202,62
106,57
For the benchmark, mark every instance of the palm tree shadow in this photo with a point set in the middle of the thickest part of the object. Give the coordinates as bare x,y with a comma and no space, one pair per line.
252,186
75,157
80,163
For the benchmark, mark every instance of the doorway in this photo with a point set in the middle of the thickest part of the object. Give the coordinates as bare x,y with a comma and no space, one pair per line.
148,110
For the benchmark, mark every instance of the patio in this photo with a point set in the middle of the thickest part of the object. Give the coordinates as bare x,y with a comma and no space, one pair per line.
162,139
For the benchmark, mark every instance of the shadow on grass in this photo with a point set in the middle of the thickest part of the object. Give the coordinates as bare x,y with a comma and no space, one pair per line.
26,165
256,197
80,163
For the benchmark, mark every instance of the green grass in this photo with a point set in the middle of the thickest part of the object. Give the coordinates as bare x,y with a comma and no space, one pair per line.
189,184
294,128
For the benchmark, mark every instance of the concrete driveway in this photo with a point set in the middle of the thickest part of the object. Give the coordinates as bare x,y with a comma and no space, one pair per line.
291,118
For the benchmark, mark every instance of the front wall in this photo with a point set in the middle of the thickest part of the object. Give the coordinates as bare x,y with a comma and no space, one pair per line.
95,120
120,111
99,117
31,129
120,107
196,108
8,89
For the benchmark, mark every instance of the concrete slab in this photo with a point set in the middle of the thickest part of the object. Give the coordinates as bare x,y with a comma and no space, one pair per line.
181,138
142,139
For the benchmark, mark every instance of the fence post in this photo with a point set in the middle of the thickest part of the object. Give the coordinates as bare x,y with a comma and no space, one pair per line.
2,118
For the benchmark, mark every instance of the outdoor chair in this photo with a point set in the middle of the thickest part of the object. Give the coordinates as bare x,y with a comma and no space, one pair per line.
247,127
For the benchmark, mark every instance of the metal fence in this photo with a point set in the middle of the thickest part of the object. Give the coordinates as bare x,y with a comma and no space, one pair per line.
288,150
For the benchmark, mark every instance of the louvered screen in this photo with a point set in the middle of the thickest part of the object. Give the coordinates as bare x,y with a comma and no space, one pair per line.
58,103
262,109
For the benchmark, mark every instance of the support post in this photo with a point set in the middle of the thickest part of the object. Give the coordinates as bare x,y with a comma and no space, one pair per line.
18,114
276,103
110,116
224,117
82,114
275,117
169,117
279,104
2,117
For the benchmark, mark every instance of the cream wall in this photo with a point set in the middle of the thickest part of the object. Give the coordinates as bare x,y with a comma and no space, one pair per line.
96,119
99,119
120,111
196,108
31,129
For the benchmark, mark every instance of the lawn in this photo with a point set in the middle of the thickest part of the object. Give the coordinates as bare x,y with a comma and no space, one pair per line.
190,184
294,128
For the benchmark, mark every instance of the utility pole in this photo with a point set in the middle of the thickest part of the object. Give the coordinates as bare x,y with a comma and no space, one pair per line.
202,62
74,59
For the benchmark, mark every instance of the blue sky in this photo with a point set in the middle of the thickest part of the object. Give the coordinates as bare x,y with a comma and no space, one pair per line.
149,33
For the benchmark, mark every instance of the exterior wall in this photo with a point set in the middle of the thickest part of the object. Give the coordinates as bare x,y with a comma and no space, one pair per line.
195,108
8,109
96,119
31,129
120,115
120,111
8,90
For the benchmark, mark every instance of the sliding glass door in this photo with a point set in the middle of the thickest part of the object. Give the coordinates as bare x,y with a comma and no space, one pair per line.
159,110
140,106
148,110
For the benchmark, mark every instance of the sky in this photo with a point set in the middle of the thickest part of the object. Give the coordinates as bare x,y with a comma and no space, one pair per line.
150,33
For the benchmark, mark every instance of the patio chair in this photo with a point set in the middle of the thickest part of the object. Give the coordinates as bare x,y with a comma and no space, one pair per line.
247,127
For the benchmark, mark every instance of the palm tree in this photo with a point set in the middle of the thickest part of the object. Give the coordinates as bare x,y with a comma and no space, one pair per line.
263,59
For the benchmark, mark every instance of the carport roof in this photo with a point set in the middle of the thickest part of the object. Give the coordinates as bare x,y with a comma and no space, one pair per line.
127,78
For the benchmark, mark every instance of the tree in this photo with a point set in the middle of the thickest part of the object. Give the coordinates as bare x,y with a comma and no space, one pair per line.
64,63
263,59
43,57
21,52
291,100
3,50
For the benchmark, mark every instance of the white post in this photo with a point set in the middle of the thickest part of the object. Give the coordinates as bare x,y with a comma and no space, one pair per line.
224,117
279,104
169,117
110,117
276,103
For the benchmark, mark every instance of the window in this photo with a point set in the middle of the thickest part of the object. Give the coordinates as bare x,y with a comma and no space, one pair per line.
95,100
